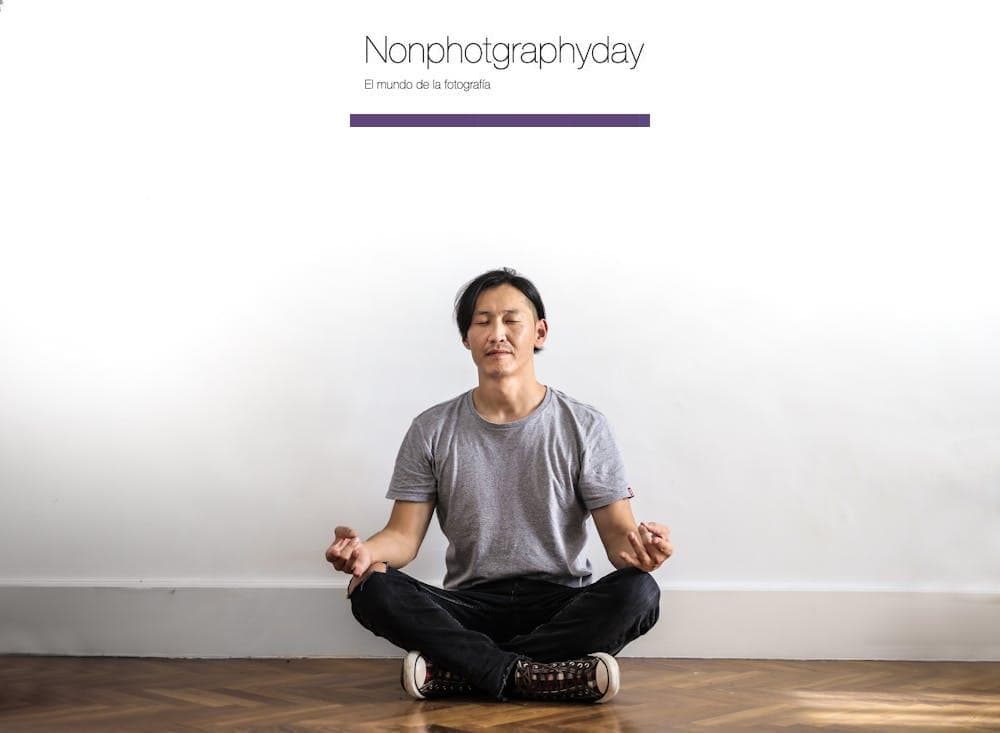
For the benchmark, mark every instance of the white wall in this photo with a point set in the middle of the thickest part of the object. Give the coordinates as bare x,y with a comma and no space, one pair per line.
220,306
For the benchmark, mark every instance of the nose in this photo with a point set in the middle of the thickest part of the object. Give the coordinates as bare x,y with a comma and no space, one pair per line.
498,333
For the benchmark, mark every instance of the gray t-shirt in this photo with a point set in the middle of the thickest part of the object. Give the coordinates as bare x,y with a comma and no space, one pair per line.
512,499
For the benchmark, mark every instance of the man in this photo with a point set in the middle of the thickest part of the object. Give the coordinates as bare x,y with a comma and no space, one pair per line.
513,468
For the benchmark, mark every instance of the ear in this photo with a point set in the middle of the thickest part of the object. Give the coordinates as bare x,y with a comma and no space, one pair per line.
541,331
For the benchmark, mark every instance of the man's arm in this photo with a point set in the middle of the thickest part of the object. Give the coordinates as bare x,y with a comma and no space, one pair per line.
646,546
397,544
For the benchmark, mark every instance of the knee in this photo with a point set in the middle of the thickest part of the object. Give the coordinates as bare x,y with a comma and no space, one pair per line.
369,587
371,600
644,599
642,593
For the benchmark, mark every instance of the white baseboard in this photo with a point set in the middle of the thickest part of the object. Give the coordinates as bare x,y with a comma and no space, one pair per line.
228,620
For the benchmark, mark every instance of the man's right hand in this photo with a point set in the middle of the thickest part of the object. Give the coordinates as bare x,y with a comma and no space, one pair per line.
348,553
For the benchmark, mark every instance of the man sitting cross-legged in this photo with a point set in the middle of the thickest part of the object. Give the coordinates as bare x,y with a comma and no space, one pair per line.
513,468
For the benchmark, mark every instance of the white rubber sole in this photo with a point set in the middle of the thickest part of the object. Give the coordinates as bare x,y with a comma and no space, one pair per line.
614,677
410,675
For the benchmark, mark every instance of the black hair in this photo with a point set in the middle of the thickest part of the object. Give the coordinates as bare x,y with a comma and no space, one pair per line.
465,303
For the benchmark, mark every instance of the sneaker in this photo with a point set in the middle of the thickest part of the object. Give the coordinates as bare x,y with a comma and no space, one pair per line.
594,678
421,678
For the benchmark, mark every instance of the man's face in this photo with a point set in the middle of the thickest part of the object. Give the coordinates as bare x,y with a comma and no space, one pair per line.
504,332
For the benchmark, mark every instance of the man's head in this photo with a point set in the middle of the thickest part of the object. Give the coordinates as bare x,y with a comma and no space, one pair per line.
501,319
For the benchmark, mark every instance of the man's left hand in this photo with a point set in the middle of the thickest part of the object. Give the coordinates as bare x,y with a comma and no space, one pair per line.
650,547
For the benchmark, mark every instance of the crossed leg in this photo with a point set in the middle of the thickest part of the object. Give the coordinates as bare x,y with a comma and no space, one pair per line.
601,617
460,629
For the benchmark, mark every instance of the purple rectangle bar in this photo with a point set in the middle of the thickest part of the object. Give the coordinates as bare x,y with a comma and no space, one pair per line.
498,120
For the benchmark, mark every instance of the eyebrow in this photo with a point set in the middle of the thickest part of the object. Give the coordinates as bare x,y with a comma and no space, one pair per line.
487,313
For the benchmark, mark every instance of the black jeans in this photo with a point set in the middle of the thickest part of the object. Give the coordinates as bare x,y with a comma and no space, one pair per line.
481,632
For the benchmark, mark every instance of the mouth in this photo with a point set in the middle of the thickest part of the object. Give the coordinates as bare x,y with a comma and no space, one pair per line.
498,353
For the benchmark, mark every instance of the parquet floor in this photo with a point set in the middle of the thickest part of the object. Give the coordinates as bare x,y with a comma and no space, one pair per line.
129,694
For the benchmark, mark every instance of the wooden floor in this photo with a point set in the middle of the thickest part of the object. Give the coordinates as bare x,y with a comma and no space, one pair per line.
127,694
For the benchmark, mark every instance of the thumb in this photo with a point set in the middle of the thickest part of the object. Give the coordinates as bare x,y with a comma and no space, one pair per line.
342,532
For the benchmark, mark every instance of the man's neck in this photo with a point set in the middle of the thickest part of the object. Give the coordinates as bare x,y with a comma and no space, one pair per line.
507,400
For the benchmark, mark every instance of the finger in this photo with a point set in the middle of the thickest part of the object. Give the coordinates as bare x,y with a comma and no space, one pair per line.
654,552
657,529
640,551
630,559
659,547
649,545
339,561
662,555
333,551
646,536
345,546
664,552
358,577
637,547
655,555
361,567
661,544
337,552
351,561
349,547
657,558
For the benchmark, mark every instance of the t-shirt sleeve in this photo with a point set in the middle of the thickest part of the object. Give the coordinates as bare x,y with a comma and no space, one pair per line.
602,470
413,476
